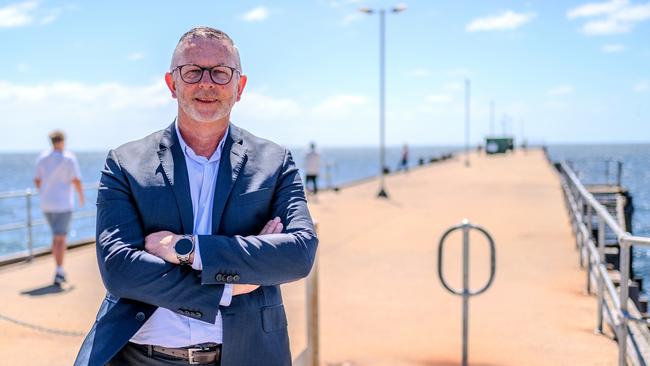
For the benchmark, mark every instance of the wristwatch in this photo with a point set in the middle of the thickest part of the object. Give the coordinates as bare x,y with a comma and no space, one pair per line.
183,248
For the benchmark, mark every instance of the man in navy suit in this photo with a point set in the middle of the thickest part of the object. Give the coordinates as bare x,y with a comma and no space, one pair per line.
197,226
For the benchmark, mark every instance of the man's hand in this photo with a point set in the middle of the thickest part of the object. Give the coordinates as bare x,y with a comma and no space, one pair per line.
161,244
272,227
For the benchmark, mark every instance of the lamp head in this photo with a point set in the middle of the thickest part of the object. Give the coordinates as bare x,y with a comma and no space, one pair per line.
399,8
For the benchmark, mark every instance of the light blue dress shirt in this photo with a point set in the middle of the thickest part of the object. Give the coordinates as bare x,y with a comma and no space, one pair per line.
165,327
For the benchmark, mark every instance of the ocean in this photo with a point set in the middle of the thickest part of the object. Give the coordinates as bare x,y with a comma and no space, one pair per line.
340,166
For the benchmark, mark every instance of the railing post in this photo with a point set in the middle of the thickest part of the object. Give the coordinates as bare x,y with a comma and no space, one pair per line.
313,357
601,259
624,287
30,240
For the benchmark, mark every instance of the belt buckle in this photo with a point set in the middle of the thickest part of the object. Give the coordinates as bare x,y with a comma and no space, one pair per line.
190,355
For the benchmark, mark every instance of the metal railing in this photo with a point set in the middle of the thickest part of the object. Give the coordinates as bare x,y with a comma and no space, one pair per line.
28,223
630,329
606,171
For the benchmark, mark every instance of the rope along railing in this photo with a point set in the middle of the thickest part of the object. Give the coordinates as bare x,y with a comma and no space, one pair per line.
614,305
41,328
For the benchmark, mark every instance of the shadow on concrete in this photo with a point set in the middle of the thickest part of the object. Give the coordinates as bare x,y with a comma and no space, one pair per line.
47,290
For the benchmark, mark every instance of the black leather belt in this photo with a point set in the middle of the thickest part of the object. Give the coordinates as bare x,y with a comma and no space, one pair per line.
209,353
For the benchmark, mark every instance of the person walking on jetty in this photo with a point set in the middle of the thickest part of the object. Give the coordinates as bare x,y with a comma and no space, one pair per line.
197,226
404,161
57,172
312,168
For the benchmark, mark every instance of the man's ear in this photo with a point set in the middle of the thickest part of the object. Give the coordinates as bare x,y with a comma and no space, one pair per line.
170,84
241,86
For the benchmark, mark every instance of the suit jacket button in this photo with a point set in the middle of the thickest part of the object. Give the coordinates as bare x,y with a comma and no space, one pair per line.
198,314
180,311
229,279
219,277
235,278
139,316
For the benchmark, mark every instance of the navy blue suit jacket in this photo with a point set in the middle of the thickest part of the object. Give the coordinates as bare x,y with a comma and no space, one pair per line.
144,188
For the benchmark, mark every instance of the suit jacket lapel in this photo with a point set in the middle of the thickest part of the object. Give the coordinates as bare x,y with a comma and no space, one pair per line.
232,160
172,161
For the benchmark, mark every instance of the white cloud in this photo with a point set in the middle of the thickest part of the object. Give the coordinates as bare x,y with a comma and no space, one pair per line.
439,99
255,105
111,95
560,90
341,103
606,26
508,20
642,86
594,9
96,116
613,48
18,15
135,56
25,14
256,14
615,17
418,72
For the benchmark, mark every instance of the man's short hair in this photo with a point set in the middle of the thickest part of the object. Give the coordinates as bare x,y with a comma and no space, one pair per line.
208,33
56,136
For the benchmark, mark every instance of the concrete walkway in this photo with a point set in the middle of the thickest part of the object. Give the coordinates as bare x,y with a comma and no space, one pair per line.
381,302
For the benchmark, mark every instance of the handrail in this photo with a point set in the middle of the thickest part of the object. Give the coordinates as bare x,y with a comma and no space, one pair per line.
29,222
633,338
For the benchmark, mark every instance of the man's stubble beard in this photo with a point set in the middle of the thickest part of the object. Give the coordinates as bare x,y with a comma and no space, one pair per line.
221,112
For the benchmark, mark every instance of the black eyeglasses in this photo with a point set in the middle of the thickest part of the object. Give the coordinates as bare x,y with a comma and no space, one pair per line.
192,74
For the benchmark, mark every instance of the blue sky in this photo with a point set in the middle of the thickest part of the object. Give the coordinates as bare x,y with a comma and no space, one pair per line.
558,72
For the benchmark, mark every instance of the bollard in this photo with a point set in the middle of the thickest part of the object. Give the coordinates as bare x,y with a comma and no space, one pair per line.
466,293
30,239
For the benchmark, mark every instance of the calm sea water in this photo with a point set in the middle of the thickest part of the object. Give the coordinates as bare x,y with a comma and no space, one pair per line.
344,165
340,165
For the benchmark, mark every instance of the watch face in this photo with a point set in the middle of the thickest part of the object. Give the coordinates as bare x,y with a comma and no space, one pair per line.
183,246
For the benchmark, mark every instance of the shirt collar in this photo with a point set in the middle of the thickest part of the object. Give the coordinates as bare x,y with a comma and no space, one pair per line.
189,153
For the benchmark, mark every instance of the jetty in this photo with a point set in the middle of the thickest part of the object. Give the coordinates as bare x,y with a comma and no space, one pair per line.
380,301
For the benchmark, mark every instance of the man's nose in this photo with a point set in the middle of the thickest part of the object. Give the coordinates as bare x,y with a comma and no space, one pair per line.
206,80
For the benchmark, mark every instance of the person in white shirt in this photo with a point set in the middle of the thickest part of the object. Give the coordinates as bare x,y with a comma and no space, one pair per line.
312,168
57,172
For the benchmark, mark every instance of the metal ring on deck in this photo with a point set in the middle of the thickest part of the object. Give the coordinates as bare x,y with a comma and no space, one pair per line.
466,226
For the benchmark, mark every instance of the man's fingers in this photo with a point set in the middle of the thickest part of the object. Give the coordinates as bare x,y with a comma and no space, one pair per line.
274,226
266,228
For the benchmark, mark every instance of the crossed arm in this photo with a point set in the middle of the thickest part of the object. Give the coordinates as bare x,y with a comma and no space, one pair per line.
161,244
138,266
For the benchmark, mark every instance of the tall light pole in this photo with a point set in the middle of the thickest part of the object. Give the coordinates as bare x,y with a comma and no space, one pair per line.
467,86
492,118
382,92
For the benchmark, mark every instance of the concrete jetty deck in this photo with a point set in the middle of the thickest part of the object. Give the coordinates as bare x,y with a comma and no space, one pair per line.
380,299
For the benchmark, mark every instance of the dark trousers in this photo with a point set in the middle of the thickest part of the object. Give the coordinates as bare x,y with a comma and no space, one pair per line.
133,355
312,178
